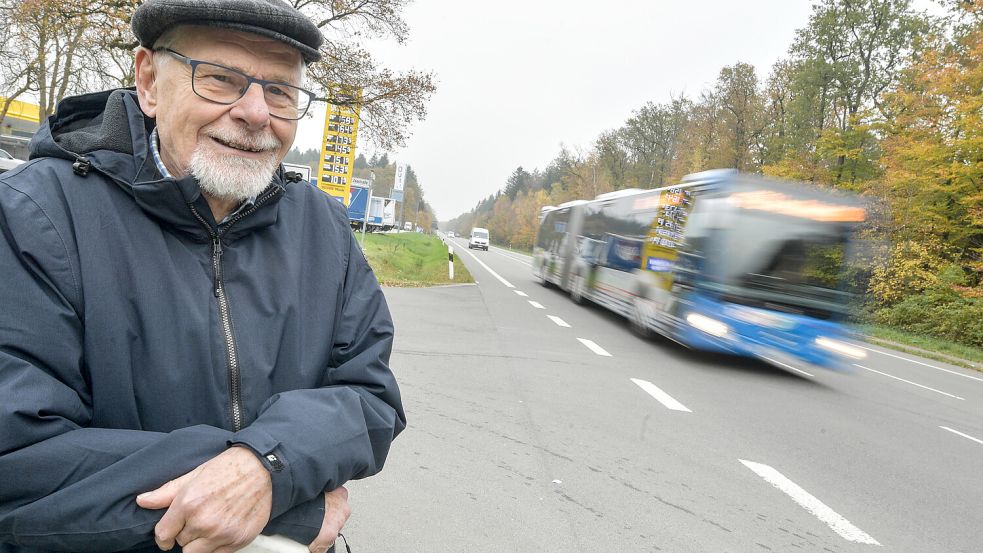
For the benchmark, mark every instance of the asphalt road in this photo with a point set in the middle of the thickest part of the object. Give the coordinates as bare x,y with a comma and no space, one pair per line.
537,425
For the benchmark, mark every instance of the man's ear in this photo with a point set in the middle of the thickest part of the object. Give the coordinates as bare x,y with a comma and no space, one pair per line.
146,80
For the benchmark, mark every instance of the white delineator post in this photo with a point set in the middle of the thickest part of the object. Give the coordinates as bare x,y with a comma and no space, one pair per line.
450,261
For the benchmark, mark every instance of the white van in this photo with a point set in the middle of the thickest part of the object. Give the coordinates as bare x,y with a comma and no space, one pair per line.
479,239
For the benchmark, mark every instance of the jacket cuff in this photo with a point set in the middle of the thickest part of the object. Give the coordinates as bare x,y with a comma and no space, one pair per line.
268,451
301,523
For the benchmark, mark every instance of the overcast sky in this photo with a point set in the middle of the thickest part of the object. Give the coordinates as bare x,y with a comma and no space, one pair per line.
516,79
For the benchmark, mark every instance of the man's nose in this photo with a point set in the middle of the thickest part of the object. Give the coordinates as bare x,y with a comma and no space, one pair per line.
252,109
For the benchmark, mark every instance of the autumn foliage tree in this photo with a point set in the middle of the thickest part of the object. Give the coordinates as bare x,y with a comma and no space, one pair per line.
933,176
48,48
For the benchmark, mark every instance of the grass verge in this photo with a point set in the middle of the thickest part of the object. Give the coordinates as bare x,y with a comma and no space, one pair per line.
925,346
411,259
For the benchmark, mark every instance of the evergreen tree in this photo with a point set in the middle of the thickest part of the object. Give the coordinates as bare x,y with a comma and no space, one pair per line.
517,182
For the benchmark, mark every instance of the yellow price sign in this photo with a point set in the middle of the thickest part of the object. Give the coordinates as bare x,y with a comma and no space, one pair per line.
337,163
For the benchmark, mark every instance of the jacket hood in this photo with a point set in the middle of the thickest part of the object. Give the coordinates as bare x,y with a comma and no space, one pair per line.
107,128
107,132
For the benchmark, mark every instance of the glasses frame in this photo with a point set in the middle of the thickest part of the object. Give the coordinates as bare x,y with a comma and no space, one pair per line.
193,63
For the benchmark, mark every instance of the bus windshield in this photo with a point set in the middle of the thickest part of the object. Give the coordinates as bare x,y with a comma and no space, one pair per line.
804,262
769,259
801,274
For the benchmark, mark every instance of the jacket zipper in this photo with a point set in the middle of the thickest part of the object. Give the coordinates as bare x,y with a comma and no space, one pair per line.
232,356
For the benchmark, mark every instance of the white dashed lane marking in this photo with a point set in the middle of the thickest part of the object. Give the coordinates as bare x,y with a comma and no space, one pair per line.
536,304
780,364
967,436
665,399
558,321
521,293
594,347
807,501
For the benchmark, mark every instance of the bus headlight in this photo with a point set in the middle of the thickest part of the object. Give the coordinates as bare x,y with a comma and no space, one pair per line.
841,348
708,325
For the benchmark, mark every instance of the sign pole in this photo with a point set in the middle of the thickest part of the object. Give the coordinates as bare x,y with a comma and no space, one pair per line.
397,194
368,208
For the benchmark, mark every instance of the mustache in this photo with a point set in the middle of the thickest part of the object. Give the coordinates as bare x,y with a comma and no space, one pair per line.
243,140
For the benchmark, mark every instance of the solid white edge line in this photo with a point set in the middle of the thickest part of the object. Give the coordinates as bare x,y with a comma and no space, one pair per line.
967,436
521,293
594,347
920,363
909,382
489,269
810,503
665,399
536,304
559,321
779,363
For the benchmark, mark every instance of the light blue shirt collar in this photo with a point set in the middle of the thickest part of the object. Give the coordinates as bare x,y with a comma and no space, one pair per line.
155,152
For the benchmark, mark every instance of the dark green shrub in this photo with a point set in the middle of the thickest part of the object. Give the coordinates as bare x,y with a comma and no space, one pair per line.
940,312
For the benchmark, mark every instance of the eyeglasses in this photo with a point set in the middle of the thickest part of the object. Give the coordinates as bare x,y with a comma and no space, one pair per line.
224,85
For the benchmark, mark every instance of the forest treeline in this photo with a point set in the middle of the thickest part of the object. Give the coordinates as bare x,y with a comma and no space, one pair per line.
872,97
414,208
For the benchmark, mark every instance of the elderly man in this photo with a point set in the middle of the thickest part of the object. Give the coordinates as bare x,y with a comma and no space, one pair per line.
193,350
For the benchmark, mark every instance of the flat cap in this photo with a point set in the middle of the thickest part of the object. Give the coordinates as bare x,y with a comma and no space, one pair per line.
274,19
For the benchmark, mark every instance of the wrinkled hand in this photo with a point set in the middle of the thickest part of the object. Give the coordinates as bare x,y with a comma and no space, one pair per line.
336,513
220,506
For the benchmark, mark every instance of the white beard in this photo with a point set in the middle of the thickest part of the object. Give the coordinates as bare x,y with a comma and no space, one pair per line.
232,177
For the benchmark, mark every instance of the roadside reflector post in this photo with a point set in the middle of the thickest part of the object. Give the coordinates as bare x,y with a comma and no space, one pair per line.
450,261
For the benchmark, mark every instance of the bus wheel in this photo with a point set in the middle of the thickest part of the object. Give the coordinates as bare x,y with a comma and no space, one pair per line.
577,289
637,321
541,276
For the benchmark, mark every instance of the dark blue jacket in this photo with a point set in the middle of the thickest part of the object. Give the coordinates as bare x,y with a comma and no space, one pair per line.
138,339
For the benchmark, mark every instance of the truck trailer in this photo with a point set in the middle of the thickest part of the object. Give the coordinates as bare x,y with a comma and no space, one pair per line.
357,200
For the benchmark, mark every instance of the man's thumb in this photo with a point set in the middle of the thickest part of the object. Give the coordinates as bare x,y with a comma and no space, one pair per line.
163,496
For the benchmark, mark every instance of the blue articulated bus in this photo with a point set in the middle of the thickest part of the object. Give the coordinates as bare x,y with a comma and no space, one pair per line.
723,261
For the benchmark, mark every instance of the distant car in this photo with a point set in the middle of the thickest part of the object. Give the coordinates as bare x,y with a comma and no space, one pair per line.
479,239
407,225
8,162
450,234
